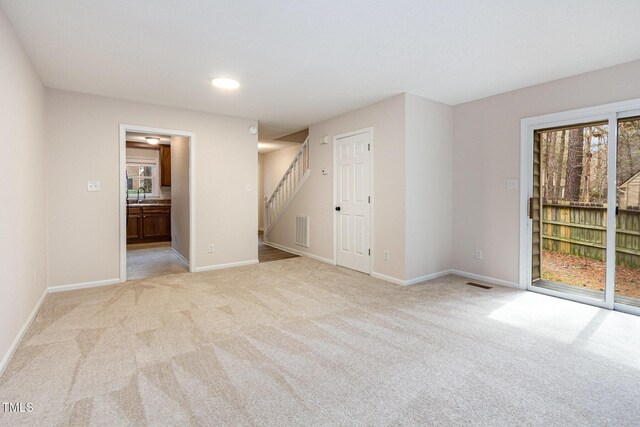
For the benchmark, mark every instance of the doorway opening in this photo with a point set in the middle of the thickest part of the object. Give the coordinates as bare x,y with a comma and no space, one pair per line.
581,216
281,168
156,202
353,166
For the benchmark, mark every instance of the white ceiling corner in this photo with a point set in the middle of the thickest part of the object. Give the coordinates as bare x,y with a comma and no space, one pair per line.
302,62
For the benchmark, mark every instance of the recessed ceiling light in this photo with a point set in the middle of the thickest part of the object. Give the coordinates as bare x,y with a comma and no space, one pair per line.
225,83
152,140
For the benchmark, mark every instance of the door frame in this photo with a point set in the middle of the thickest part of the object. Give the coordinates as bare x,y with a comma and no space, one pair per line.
607,112
368,130
124,128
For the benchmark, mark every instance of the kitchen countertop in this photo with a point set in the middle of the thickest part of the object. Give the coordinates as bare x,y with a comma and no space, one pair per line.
149,203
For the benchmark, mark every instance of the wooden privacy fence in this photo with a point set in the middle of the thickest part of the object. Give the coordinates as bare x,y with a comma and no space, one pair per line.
581,230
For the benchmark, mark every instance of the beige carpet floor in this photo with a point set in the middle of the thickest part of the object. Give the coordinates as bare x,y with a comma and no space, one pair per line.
297,342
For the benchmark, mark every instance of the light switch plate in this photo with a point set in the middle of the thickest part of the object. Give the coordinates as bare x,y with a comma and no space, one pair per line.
93,185
512,184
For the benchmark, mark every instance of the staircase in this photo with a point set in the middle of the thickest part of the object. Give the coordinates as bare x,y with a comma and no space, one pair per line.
291,181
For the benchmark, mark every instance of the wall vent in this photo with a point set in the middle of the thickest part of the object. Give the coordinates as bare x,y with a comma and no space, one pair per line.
478,285
302,230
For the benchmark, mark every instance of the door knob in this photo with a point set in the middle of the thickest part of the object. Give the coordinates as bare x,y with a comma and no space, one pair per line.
337,208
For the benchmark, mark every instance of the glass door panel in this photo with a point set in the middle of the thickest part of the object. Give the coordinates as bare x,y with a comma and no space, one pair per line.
569,209
627,273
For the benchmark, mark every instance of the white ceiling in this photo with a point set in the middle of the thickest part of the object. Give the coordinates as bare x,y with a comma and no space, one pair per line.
300,62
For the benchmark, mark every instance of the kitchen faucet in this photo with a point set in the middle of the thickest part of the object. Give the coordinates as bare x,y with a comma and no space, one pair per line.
144,196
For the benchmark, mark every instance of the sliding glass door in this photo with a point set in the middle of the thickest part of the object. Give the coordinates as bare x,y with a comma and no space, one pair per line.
582,235
573,189
627,270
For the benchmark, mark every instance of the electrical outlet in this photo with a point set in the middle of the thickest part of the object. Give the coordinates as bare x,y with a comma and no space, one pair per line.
478,253
175,237
210,247
248,187
512,184
386,255
93,185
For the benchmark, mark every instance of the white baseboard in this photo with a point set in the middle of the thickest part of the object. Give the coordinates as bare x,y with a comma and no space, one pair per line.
63,288
410,282
14,345
301,253
182,259
492,280
228,265
487,279
387,278
427,277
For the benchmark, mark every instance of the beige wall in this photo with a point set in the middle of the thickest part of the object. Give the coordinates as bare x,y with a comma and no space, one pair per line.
163,192
275,164
23,268
316,196
428,169
412,200
82,131
487,152
260,191
180,195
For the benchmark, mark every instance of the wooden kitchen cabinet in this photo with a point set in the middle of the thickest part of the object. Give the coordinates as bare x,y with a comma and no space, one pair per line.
148,224
165,165
156,223
134,224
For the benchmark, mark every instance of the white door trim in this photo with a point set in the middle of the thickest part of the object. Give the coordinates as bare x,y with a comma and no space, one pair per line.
335,192
607,112
124,128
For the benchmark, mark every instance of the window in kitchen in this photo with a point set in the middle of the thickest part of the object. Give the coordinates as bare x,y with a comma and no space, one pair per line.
142,175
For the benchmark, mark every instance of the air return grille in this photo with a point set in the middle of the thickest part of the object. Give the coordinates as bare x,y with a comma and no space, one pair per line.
302,230
478,285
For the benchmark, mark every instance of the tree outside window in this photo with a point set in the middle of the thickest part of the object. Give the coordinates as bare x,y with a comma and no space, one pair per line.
141,175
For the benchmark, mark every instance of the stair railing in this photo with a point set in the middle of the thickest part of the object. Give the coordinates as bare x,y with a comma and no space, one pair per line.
291,181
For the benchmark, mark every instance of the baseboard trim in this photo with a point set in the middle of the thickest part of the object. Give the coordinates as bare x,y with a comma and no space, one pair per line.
410,282
386,278
14,345
83,285
182,259
301,253
426,277
227,265
487,279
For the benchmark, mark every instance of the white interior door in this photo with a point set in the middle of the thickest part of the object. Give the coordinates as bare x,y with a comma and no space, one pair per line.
353,201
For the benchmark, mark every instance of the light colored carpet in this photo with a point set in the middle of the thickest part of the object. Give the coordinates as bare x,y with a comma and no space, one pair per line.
297,342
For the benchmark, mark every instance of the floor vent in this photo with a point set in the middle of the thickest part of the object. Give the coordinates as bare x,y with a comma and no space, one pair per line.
302,230
478,285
